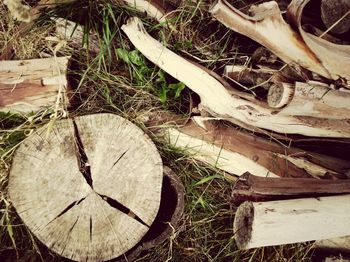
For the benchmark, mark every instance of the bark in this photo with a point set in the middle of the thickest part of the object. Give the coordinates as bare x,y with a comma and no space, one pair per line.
31,85
217,98
291,221
257,189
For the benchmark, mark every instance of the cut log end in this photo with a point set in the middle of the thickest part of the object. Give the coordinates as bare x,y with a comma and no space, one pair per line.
279,95
243,224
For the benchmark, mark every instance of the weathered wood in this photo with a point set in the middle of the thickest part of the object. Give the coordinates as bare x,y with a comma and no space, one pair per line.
157,9
89,188
310,99
335,58
253,188
291,221
31,85
280,95
268,28
171,208
237,152
217,98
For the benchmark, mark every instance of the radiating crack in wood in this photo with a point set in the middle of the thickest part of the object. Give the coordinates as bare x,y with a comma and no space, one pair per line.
69,232
70,206
119,206
90,228
119,158
83,161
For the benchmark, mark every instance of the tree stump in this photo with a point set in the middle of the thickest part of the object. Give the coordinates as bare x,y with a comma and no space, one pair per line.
89,188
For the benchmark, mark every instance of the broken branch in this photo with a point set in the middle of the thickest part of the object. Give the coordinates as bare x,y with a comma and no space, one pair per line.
217,99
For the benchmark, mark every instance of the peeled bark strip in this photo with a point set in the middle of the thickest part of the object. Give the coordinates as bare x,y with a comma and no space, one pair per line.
253,188
237,152
30,85
334,58
268,28
315,100
216,97
291,221
89,188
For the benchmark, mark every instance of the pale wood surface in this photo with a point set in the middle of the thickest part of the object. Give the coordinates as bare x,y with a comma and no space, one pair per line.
76,219
291,221
219,101
268,28
30,85
237,152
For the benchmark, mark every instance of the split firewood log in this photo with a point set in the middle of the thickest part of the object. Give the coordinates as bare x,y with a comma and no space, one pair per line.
268,28
220,100
291,221
31,85
253,188
222,146
89,188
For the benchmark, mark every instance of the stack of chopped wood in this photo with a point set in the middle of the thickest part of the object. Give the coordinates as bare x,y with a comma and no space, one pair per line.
295,195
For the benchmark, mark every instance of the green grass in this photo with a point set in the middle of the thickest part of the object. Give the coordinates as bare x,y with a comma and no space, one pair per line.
120,80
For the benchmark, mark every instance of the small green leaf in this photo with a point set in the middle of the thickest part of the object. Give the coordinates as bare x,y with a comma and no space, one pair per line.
123,55
161,77
163,94
177,88
10,232
136,58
